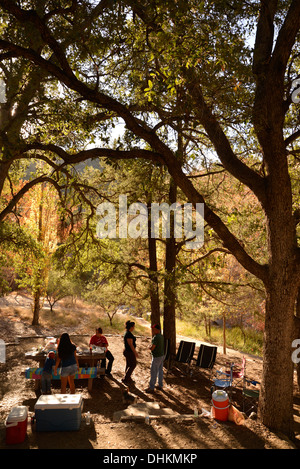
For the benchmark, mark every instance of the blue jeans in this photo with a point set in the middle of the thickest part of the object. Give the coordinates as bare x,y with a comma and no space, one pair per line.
46,382
156,371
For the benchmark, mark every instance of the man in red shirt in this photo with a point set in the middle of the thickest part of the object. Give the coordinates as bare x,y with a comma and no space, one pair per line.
99,340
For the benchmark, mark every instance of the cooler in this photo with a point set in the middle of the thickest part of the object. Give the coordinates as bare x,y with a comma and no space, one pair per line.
58,412
16,425
220,403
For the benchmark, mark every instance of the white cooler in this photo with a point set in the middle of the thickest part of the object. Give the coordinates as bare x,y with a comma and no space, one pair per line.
58,412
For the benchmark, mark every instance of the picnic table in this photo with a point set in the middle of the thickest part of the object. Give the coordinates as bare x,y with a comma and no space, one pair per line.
87,360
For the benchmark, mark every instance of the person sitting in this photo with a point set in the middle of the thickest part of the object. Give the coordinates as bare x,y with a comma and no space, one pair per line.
99,340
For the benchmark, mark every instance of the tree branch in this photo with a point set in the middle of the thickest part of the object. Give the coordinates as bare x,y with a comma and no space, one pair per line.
95,153
264,36
18,196
291,138
286,39
143,131
223,148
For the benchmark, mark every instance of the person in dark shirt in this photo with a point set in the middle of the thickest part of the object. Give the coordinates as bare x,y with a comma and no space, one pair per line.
47,373
130,352
66,355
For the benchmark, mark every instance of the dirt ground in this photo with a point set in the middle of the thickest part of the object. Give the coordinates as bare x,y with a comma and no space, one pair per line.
182,393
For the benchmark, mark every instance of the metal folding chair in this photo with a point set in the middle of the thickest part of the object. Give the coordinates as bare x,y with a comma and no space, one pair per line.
185,353
250,395
223,380
238,372
206,358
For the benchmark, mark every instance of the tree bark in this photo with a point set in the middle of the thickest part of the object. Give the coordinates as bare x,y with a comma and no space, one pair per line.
269,67
153,278
297,333
224,332
170,282
37,291
36,308
276,399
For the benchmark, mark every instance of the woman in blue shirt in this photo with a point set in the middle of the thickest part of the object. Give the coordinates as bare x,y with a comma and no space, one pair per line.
66,355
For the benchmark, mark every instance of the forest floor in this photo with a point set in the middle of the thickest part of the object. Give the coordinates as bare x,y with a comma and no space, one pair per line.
181,394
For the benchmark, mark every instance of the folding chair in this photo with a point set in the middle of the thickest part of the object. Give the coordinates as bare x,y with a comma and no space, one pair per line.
238,372
250,395
206,358
185,353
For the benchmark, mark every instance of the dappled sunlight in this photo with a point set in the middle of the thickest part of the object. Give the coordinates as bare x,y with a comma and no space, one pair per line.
181,394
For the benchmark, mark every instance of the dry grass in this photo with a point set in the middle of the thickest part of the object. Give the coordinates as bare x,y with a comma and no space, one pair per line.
78,315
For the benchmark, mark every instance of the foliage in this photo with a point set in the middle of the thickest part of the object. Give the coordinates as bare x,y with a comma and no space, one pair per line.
60,286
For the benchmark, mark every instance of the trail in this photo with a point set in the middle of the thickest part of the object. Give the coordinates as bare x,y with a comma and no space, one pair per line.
220,349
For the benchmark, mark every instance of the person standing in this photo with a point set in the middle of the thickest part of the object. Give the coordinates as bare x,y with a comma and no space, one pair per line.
130,352
99,340
157,351
66,355
46,376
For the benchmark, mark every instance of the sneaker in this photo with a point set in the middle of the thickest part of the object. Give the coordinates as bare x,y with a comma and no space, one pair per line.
149,391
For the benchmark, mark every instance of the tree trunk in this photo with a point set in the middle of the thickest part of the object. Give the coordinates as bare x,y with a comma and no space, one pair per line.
36,307
206,325
170,283
297,333
224,333
170,296
153,279
276,399
40,238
